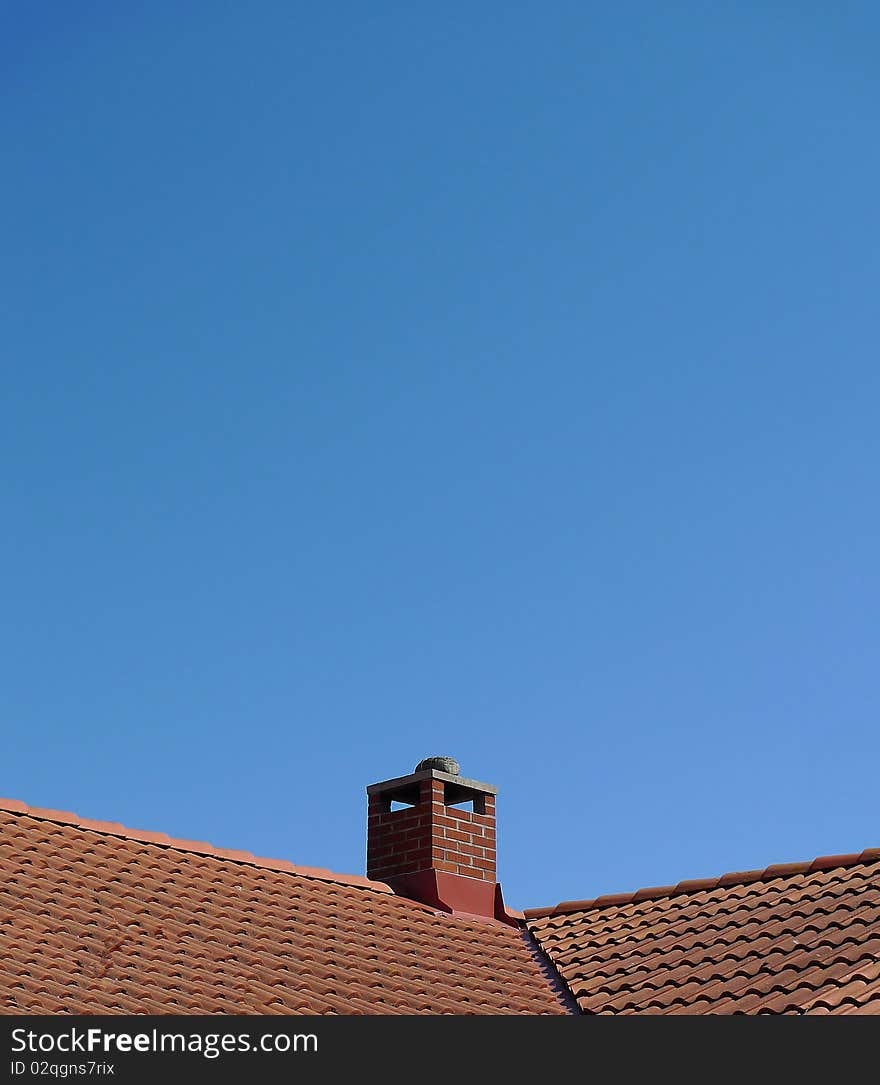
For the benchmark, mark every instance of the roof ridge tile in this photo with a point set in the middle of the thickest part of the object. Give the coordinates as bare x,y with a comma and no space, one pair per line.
199,847
702,885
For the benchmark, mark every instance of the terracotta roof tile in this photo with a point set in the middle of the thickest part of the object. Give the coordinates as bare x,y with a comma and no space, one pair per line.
96,918
792,938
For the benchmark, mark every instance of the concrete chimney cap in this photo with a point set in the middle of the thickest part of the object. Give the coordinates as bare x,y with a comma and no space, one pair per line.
441,764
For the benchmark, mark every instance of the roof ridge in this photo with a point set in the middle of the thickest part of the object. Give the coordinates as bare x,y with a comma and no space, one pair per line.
701,885
198,847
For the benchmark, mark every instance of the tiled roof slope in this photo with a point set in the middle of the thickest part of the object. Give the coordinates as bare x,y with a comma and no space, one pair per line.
802,938
97,919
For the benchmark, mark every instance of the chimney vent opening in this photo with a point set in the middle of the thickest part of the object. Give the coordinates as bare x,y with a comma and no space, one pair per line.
474,803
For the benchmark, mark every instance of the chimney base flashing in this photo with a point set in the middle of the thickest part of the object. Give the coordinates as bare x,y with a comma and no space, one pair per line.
455,894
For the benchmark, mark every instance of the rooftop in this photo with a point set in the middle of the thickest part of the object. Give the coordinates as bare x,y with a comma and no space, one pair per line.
98,918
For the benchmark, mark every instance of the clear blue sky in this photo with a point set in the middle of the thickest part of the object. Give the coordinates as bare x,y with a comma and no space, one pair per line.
491,379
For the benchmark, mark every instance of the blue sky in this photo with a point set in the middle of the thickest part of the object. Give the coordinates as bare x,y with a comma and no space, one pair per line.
495,380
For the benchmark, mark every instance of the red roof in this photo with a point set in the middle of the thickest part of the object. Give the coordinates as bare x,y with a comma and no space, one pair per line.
800,938
98,919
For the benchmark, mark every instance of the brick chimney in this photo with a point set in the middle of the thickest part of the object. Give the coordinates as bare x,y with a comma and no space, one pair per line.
431,837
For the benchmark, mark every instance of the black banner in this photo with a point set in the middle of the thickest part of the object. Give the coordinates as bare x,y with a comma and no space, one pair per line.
283,1049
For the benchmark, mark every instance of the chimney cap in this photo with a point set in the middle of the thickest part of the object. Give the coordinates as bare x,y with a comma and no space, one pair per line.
405,788
441,764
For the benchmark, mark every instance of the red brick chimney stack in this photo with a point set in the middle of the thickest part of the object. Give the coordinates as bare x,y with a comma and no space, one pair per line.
438,844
